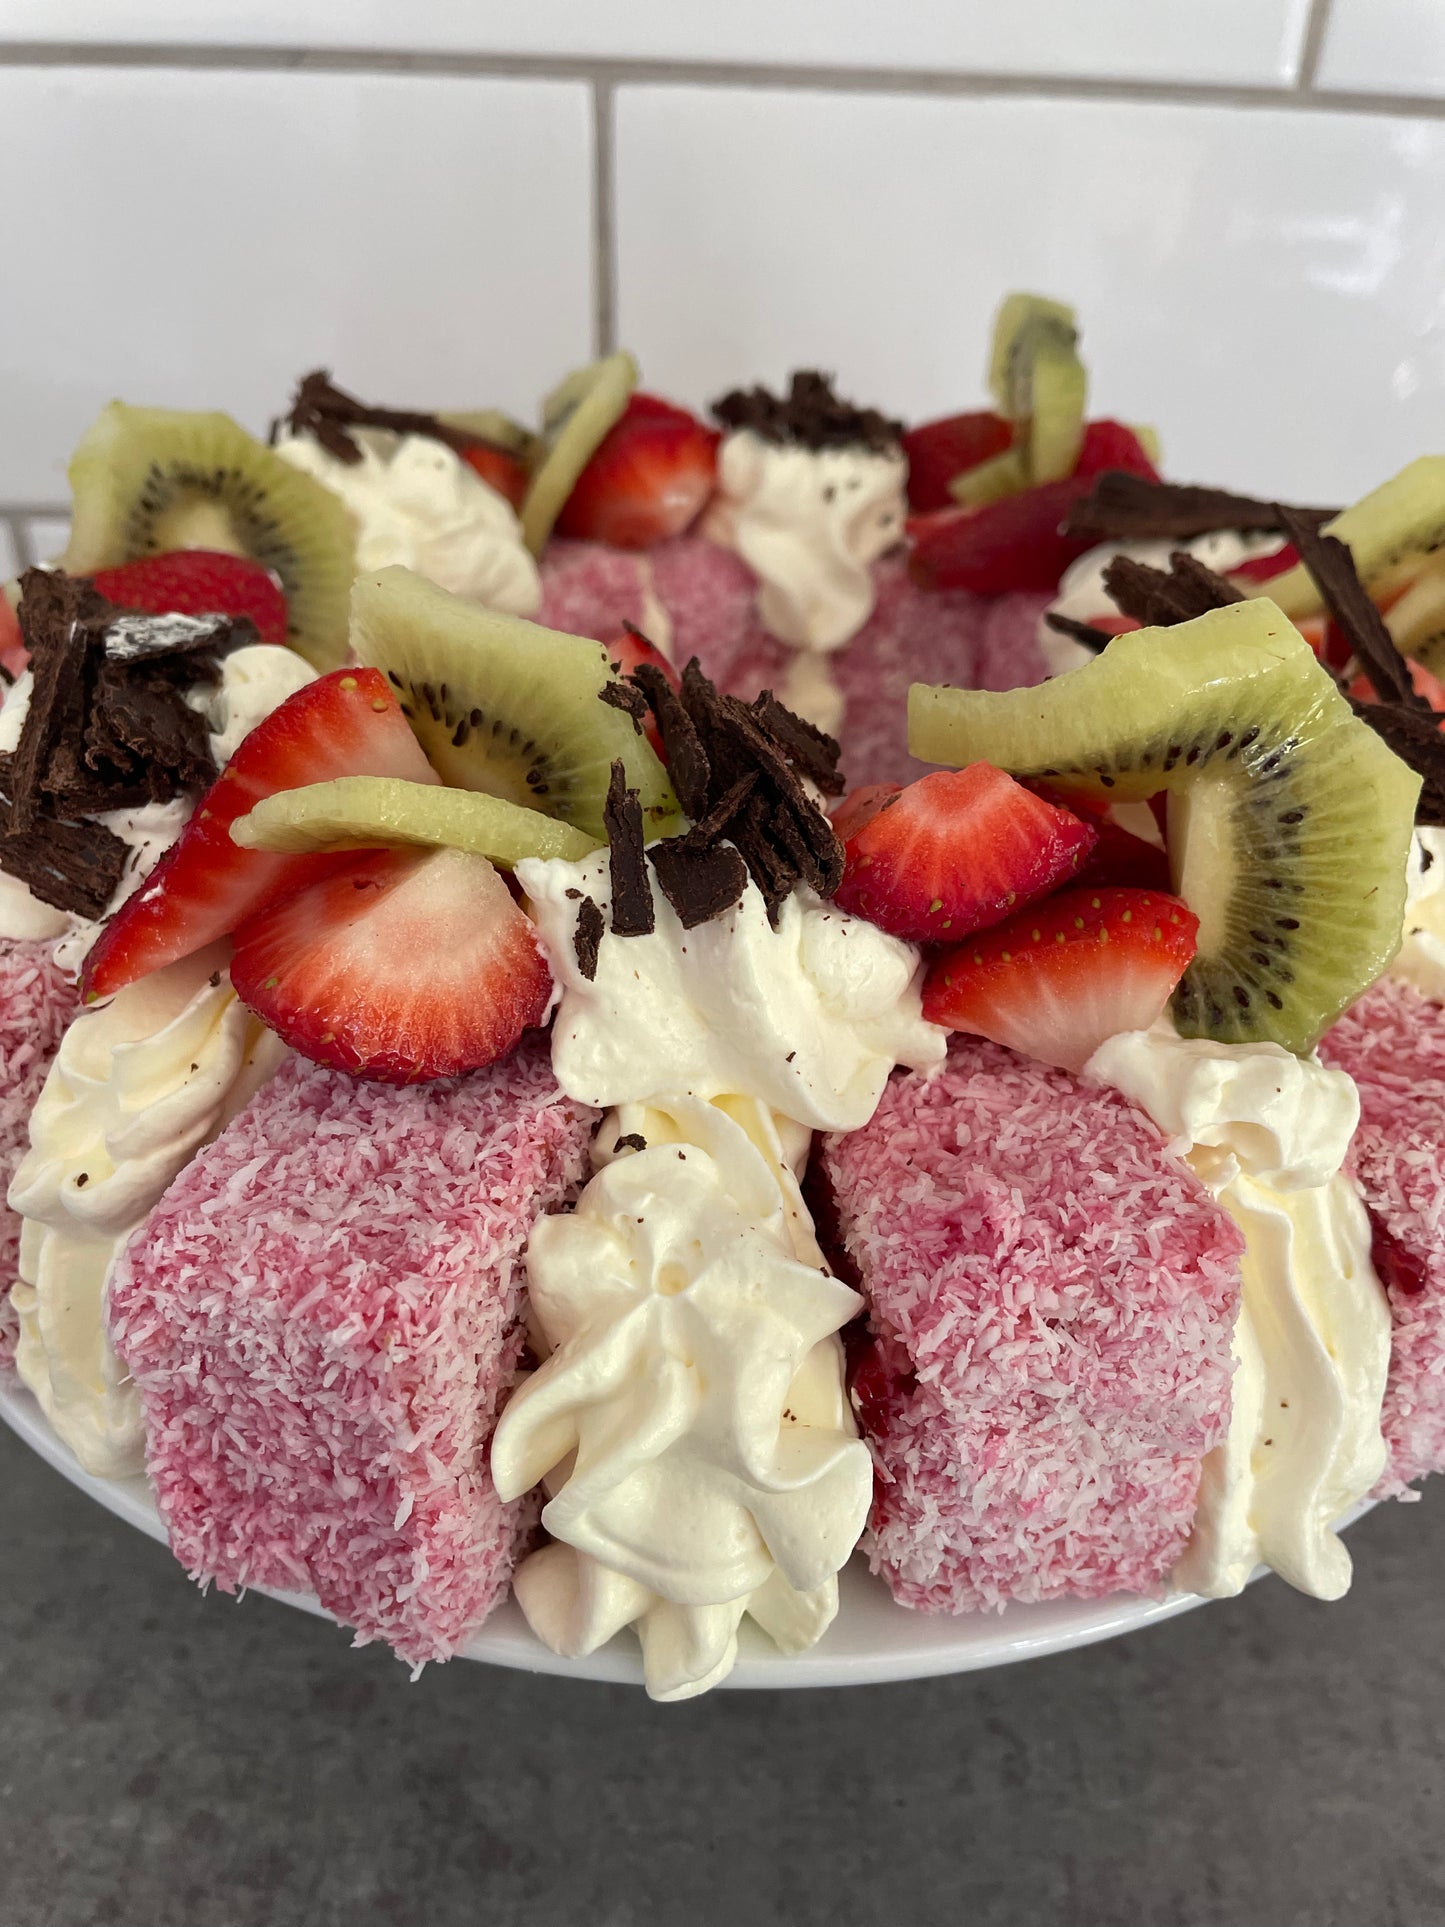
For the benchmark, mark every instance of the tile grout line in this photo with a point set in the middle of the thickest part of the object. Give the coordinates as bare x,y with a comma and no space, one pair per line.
614,73
604,217
1317,26
19,538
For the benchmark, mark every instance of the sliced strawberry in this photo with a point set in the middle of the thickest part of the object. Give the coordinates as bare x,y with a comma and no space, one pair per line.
1260,568
1109,444
501,471
1011,544
347,724
1120,857
198,582
650,478
333,968
631,647
956,851
1057,979
14,656
937,451
1403,1272
1425,683
860,806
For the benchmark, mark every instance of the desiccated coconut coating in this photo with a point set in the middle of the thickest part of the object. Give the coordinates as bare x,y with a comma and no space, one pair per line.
1393,1044
321,1316
37,1001
1051,1299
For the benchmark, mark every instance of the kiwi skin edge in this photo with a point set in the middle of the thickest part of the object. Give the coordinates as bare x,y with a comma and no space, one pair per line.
1292,819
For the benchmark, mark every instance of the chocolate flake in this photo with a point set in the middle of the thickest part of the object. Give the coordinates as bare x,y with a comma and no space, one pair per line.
1159,598
627,697
587,936
687,762
1084,632
1332,568
1121,506
699,880
810,414
1415,737
812,751
631,1141
320,409
59,619
632,911
71,866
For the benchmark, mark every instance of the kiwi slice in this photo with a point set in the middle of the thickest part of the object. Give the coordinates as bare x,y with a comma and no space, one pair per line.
575,417
1389,533
1417,620
504,706
1289,819
146,480
371,812
1036,377
990,481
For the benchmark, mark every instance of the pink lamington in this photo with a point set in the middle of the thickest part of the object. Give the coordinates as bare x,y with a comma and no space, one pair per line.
1051,1298
37,1001
1393,1044
709,596
322,1318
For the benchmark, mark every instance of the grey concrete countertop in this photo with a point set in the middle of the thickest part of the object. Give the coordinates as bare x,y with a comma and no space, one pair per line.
169,1760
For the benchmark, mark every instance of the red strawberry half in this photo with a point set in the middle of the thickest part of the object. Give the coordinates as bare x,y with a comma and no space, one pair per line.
957,851
1056,980
501,471
1011,544
333,969
198,582
346,724
937,451
625,653
1109,444
650,477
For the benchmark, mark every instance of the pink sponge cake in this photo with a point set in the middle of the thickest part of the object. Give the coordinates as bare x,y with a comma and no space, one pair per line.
37,1001
321,1317
1393,1045
1051,1299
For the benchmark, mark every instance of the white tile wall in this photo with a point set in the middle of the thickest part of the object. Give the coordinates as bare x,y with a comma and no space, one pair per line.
11,557
1386,46
1216,40
199,238
1265,286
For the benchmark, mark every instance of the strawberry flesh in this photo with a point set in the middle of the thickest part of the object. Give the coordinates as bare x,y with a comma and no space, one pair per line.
937,451
1056,980
625,652
956,851
860,806
1425,684
346,724
333,968
198,582
649,479
1015,544
1110,444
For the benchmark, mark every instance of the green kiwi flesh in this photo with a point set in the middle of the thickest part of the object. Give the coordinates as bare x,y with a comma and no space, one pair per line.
504,706
371,812
1289,819
575,417
1389,533
990,481
1417,620
1037,378
146,480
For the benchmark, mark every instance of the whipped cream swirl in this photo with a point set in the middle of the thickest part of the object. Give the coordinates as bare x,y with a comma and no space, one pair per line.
1421,956
1268,1132
810,1017
690,1422
693,1394
414,501
810,523
137,1086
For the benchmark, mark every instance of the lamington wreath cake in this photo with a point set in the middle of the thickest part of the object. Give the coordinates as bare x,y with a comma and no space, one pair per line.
624,1011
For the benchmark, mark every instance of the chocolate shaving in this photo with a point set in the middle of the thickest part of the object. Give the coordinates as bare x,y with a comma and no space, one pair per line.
1415,737
1123,506
812,752
587,937
627,697
144,714
632,911
810,414
71,866
1332,568
699,880
135,637
687,762
60,620
1160,597
320,409
631,1141
1084,632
